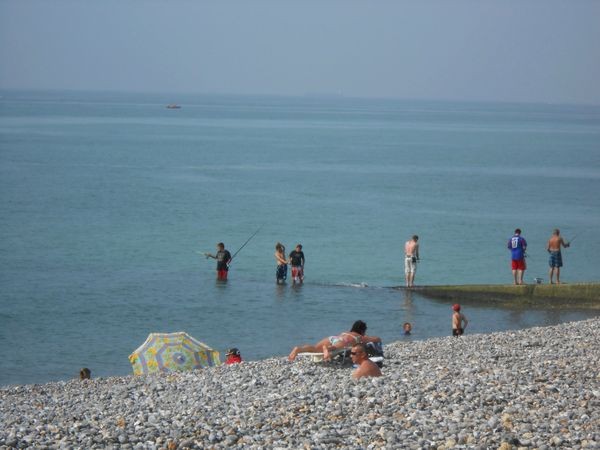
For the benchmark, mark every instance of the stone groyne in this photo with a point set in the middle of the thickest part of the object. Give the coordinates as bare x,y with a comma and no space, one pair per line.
579,295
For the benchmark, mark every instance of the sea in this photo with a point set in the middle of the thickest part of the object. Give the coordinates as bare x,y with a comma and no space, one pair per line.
109,200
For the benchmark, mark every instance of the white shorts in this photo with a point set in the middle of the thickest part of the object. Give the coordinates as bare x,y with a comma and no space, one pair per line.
409,265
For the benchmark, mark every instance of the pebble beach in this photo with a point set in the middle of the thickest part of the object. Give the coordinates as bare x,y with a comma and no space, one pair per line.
532,388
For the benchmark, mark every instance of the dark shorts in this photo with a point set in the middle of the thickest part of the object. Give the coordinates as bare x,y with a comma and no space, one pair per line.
457,331
555,259
518,264
281,272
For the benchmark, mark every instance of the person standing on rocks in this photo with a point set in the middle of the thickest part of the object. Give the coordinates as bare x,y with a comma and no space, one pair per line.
411,256
223,258
366,367
459,321
555,260
517,246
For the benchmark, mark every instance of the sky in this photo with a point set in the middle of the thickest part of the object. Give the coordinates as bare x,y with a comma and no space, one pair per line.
477,50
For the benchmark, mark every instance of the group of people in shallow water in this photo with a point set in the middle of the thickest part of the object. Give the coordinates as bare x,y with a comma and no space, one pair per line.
295,259
516,244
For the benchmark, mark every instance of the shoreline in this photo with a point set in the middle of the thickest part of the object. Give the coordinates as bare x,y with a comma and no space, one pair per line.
532,388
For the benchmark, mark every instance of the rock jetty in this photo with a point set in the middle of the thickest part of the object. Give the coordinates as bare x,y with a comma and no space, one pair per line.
534,388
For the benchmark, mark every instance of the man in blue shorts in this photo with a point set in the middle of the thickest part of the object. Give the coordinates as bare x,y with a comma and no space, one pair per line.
555,261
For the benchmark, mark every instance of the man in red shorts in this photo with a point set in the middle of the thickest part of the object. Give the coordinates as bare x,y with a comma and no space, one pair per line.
517,246
297,261
223,258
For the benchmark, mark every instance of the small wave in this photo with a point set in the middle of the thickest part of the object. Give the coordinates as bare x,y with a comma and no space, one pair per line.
352,285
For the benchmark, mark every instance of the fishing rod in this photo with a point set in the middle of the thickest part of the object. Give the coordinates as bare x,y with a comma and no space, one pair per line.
244,244
569,242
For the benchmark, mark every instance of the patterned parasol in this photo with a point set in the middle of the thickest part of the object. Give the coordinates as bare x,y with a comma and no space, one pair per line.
172,352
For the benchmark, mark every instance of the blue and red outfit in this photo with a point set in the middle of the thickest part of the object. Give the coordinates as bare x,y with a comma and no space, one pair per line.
517,246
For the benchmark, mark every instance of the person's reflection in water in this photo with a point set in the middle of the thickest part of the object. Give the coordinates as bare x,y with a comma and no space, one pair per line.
280,291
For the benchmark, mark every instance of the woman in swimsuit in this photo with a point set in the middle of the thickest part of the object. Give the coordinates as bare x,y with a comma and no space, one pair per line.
356,335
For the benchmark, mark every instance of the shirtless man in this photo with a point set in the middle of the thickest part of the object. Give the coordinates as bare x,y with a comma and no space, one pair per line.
366,367
411,256
555,260
459,321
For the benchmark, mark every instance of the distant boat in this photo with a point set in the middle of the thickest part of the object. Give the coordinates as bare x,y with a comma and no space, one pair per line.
173,106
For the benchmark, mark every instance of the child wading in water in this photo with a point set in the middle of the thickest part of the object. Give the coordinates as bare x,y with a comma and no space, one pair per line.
459,321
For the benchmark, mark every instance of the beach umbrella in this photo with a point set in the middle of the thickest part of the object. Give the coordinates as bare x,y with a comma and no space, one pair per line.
172,352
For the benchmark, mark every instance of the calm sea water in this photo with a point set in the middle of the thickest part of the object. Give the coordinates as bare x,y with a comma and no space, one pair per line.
107,200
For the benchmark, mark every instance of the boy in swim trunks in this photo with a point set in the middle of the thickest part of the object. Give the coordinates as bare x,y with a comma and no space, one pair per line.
459,321
297,262
555,260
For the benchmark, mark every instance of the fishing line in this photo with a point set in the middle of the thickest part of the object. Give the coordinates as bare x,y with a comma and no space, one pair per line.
247,240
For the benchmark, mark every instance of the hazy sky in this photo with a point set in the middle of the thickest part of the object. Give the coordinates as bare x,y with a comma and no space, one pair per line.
538,50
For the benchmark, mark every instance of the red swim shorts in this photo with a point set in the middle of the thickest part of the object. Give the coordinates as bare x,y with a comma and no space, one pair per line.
518,264
221,274
297,273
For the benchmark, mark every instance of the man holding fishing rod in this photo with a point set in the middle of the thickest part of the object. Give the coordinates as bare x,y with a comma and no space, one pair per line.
223,258
555,260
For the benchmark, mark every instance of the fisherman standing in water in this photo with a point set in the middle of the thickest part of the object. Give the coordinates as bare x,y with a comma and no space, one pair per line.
555,260
223,258
411,256
517,246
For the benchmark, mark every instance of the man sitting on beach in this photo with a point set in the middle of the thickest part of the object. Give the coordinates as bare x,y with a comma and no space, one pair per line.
366,367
